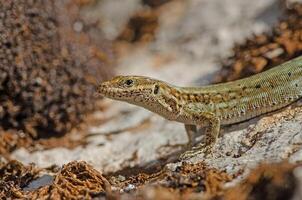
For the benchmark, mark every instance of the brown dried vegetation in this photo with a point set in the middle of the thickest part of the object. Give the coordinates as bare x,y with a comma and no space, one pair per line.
266,50
185,180
268,181
13,176
45,88
142,26
76,180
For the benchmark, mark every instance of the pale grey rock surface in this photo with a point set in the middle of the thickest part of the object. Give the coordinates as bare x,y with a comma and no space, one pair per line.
192,35
270,139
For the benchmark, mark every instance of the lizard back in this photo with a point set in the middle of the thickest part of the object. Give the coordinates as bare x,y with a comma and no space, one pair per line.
246,98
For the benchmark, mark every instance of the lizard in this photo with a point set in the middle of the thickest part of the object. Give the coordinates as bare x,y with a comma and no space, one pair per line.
210,106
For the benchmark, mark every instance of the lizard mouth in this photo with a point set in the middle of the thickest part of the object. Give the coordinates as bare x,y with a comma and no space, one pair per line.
106,90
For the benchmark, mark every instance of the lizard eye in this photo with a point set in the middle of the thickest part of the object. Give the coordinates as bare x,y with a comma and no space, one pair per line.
129,82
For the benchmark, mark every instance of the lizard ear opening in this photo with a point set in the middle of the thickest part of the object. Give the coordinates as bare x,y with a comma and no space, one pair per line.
156,89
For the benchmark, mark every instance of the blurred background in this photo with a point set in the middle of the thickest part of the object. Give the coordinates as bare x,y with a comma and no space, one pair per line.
54,53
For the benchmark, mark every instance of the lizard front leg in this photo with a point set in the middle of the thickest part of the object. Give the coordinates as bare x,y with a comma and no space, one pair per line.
191,131
212,132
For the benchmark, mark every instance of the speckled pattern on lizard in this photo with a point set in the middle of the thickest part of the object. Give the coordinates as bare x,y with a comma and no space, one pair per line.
213,105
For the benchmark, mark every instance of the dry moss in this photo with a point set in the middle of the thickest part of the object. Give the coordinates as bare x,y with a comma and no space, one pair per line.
268,181
76,180
13,176
264,51
46,82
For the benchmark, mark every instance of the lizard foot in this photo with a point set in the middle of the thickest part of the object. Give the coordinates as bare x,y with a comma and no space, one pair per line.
206,150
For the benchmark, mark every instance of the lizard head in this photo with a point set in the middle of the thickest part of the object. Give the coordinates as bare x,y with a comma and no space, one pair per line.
133,89
152,94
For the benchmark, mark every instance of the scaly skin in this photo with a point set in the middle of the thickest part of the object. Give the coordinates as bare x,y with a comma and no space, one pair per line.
212,105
